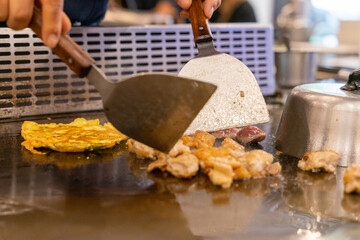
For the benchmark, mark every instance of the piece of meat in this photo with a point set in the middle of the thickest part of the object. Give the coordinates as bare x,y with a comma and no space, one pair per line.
201,139
352,179
227,133
250,134
210,163
160,163
178,149
274,169
326,160
242,173
229,150
141,150
188,141
222,164
221,174
236,149
257,162
206,154
184,166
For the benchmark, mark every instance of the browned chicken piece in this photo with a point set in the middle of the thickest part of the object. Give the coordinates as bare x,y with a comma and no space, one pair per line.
229,143
200,140
209,163
326,160
160,163
274,169
352,179
178,149
205,138
184,166
141,150
237,150
242,173
205,154
210,156
188,141
257,162
221,174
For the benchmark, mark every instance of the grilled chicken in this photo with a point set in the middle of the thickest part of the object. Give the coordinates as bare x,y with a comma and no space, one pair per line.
184,166
222,164
179,148
352,179
200,139
160,163
141,150
313,161
221,174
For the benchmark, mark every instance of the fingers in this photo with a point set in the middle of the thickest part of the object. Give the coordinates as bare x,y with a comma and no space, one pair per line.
20,13
185,4
210,6
4,10
52,15
184,14
65,24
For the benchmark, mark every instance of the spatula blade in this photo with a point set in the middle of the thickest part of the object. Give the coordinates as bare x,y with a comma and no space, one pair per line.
156,109
238,100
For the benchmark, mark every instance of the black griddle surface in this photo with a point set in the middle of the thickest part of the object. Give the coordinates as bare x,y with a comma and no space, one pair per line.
109,195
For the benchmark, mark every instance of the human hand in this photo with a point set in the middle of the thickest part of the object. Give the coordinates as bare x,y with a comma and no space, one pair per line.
209,7
18,15
166,7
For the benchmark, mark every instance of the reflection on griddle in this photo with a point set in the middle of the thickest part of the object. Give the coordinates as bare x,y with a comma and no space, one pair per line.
73,160
306,191
314,193
351,204
317,193
250,187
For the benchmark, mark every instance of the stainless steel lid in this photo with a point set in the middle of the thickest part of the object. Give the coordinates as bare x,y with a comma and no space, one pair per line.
320,116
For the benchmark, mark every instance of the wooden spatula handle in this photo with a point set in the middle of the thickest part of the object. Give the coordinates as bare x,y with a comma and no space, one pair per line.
199,22
68,51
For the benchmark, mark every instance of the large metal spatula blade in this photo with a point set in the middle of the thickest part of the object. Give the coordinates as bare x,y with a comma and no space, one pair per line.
238,100
154,109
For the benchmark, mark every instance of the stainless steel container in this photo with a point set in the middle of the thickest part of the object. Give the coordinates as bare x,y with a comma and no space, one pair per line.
295,67
320,116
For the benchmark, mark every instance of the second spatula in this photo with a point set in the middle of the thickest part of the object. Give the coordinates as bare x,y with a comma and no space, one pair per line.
238,100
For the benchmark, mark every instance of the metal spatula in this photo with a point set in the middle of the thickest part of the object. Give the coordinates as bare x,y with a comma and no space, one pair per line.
154,109
238,100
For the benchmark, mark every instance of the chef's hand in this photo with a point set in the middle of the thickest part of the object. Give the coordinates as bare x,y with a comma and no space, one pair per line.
209,7
18,14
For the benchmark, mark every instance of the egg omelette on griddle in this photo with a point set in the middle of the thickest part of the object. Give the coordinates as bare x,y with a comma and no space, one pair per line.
78,136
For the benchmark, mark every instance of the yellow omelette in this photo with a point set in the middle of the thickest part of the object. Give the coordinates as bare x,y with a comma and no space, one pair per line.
78,136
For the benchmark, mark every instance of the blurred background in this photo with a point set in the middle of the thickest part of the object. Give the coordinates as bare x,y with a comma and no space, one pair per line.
317,21
322,36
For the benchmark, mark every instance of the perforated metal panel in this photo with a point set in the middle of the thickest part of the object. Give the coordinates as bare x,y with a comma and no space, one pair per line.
34,81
